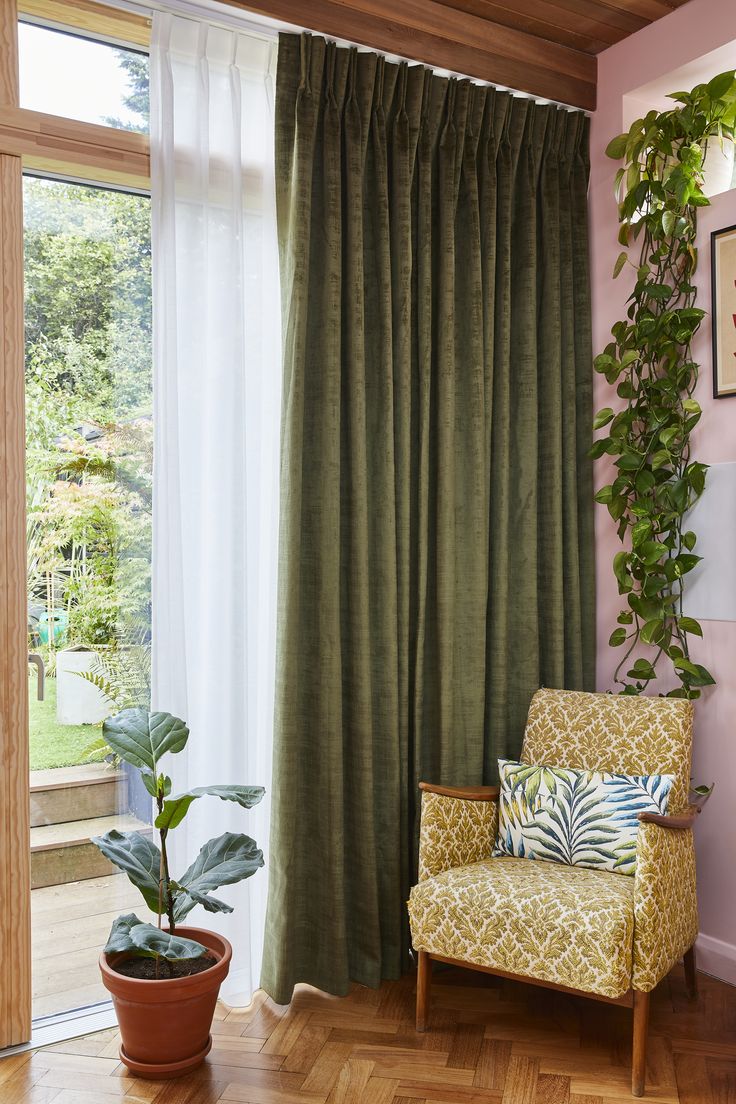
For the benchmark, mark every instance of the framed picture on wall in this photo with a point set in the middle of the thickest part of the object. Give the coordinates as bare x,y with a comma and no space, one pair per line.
723,292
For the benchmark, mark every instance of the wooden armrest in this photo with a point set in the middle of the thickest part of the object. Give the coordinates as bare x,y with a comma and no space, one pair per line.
465,793
684,820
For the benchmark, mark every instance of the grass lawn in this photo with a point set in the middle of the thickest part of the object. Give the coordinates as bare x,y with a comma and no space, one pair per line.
52,744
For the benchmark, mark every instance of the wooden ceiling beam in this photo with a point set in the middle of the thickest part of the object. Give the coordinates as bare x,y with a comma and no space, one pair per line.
430,32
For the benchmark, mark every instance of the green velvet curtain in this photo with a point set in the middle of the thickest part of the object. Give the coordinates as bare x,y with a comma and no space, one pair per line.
436,561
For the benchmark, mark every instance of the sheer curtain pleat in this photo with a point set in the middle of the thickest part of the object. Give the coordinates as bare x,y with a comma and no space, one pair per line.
217,411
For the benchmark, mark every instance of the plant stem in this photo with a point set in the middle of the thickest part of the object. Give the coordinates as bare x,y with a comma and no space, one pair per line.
166,881
165,896
161,875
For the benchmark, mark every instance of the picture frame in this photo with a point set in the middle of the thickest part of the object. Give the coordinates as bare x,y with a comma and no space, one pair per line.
723,310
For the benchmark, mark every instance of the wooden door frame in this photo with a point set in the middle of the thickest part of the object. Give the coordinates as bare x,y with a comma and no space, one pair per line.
44,143
15,898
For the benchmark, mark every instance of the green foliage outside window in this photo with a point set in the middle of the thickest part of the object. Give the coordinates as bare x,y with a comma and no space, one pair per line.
88,401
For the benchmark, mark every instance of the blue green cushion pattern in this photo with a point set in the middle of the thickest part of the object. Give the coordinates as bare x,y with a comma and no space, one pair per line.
582,818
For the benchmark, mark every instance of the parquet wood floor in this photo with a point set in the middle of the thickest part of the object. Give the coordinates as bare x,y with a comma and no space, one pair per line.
490,1042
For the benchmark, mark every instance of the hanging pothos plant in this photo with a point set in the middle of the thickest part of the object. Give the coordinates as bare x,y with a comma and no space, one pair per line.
659,188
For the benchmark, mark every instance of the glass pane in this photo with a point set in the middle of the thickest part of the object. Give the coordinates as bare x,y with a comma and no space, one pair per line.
89,436
64,74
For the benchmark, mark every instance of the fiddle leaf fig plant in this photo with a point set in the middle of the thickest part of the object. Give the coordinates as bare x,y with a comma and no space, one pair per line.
141,739
649,361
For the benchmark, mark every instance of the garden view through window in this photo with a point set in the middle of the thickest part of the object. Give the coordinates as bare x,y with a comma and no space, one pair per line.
89,487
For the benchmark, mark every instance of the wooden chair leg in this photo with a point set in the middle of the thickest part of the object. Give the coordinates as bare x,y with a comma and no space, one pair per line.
424,983
639,1056
691,977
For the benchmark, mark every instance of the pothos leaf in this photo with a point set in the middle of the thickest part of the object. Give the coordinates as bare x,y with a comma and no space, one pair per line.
616,148
620,262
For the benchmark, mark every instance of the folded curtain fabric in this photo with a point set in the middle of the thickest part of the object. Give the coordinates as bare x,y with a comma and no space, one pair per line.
436,554
217,398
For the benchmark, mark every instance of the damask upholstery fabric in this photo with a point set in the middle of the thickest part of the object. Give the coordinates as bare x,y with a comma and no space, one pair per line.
606,732
578,817
592,930
454,832
665,902
563,924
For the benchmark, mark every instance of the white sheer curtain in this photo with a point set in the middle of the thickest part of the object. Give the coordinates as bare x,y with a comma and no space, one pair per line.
216,411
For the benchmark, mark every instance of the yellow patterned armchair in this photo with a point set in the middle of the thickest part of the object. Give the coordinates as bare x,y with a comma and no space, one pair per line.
606,935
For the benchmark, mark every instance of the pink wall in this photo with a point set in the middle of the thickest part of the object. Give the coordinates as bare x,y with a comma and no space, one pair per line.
695,29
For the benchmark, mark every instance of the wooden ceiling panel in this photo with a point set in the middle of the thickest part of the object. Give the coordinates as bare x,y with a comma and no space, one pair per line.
583,26
545,47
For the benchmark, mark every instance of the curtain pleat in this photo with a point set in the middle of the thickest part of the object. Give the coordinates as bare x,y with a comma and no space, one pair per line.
217,397
436,555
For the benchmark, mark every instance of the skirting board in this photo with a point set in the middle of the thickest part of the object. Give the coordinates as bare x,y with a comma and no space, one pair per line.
717,958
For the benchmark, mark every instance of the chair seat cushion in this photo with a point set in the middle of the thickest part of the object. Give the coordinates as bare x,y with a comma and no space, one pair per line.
564,924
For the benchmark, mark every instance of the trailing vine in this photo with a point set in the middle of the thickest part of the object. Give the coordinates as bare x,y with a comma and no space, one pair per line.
659,188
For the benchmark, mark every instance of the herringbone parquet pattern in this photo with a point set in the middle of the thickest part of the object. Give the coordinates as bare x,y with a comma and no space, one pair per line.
489,1042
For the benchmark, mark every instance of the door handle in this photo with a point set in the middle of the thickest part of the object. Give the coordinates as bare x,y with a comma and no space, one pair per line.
35,658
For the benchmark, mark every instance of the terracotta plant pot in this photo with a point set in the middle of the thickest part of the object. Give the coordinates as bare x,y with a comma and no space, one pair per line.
165,1024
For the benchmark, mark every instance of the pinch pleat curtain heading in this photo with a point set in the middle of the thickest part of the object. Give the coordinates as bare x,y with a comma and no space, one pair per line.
436,548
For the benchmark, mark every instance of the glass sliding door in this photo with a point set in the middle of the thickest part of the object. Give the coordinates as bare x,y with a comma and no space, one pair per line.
89,436
74,578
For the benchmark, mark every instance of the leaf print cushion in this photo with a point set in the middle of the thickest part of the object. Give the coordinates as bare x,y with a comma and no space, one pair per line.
582,818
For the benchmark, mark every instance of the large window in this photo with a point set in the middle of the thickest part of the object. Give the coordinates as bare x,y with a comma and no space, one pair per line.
74,581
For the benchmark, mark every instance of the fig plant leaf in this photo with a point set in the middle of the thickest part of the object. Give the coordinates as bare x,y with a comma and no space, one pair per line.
209,903
141,738
176,808
227,859
138,857
131,935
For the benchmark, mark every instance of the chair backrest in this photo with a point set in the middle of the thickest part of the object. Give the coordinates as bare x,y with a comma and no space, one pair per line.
612,732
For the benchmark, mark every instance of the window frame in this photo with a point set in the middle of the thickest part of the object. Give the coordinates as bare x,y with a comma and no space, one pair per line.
50,145
67,147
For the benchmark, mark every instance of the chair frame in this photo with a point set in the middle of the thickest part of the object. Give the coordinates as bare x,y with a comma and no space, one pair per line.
633,998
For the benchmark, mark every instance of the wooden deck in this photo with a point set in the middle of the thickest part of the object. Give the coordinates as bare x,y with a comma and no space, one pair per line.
489,1042
70,926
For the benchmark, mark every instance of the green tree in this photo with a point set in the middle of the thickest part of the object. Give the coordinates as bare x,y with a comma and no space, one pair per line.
137,100
89,406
